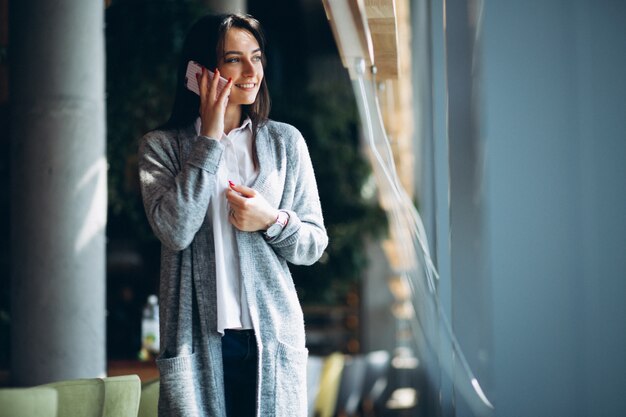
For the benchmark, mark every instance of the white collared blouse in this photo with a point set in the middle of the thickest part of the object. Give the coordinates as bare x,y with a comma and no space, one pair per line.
237,166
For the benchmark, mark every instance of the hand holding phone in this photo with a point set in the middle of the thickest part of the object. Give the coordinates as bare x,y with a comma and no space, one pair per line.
191,82
212,106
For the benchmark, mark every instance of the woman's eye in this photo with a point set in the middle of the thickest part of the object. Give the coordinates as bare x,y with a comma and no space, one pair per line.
231,60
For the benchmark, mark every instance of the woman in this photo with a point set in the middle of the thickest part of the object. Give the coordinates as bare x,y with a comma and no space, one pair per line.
232,197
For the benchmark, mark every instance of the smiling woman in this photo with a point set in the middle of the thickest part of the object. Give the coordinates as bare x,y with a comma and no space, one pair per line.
232,197
234,46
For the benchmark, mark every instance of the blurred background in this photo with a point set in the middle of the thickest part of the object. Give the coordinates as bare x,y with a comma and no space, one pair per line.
505,124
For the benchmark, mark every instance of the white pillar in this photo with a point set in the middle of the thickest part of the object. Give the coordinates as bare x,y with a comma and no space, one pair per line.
58,190
227,6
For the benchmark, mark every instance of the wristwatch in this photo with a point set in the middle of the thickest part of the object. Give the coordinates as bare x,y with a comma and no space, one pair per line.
281,221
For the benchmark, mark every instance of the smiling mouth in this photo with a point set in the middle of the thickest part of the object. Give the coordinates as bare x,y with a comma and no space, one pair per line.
246,86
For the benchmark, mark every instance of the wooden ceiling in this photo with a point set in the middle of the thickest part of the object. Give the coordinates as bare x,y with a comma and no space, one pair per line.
366,29
379,31
383,26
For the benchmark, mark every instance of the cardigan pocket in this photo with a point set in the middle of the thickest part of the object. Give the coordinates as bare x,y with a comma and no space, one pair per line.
178,393
290,381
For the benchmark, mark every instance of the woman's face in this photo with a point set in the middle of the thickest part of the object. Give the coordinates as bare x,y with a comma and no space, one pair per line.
242,60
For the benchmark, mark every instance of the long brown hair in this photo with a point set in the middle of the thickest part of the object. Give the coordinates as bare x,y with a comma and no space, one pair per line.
210,31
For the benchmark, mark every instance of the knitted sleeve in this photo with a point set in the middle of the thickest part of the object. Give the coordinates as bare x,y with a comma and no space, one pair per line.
176,193
304,239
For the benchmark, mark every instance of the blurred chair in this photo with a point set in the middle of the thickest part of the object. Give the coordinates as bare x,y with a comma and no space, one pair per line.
79,397
375,381
351,386
28,402
314,367
330,379
149,404
121,396
98,397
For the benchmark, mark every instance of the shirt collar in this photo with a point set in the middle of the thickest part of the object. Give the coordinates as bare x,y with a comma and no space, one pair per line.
247,124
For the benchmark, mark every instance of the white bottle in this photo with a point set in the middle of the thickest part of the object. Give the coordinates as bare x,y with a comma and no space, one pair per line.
150,326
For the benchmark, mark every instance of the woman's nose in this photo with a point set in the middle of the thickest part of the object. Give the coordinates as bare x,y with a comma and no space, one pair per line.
248,68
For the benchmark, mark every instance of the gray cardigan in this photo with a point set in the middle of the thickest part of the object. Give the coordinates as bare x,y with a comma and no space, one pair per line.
177,170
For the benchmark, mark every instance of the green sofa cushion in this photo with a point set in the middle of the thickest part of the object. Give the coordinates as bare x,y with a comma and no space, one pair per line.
28,402
121,396
98,397
148,407
79,397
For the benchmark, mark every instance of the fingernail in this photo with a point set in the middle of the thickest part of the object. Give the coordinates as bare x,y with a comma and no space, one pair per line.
232,184
230,79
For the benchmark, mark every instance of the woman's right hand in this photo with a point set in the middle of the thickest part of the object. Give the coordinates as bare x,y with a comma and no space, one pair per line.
212,105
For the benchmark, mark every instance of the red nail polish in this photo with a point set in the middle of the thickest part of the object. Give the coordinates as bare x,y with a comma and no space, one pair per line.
232,184
230,79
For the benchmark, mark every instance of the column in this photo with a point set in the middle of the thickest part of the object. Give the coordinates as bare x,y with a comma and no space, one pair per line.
58,190
227,6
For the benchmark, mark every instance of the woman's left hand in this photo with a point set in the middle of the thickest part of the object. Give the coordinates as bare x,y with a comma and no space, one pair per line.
249,211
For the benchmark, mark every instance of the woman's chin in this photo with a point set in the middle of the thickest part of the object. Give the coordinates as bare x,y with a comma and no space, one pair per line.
243,99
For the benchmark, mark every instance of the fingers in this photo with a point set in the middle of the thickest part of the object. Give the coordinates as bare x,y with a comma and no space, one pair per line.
239,195
243,219
232,219
242,189
248,212
238,217
235,199
213,84
208,85
223,96
212,104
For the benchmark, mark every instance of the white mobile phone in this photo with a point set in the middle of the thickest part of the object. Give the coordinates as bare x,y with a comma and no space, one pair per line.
191,82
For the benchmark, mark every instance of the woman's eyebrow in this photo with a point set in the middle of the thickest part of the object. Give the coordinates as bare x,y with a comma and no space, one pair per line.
241,53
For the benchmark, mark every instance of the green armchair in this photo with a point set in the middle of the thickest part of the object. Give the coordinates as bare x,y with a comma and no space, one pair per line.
28,402
98,397
149,404
117,396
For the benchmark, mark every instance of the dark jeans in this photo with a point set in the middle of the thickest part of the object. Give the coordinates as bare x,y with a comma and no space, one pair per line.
239,354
